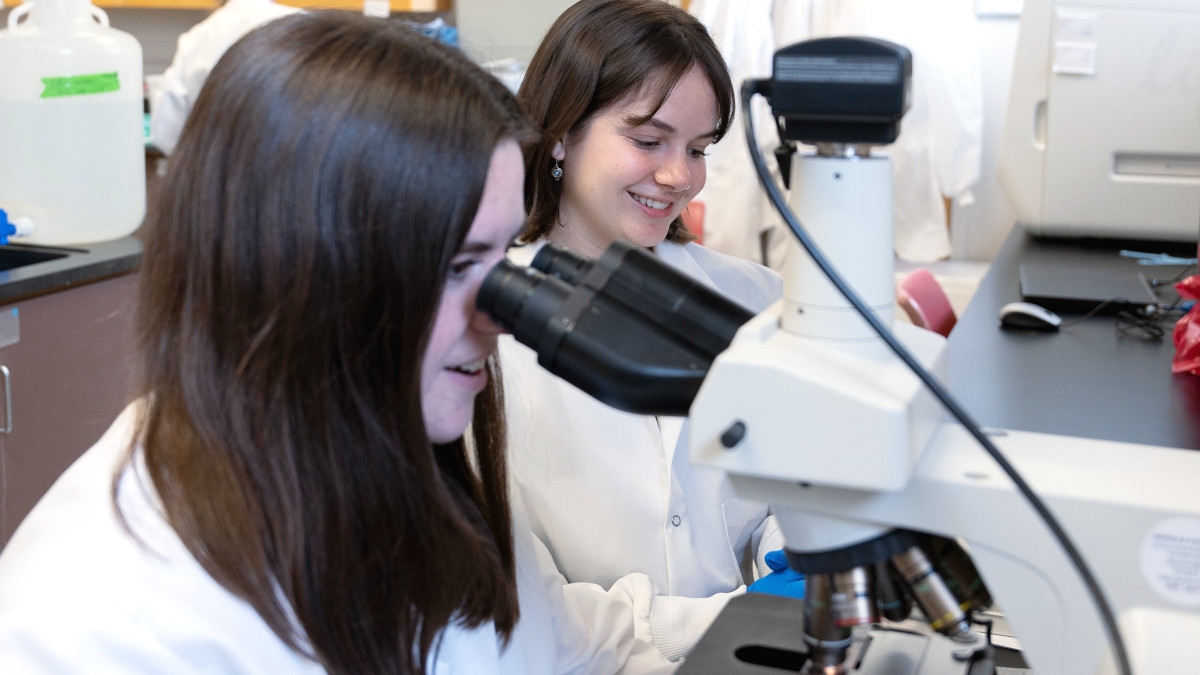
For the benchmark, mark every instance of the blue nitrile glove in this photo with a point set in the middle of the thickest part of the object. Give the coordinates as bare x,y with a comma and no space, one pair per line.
782,580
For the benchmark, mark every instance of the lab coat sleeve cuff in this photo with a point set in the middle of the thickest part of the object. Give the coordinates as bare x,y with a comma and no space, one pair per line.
677,623
768,538
637,592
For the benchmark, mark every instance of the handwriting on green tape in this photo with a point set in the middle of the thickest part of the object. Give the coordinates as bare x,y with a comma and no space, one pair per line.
80,84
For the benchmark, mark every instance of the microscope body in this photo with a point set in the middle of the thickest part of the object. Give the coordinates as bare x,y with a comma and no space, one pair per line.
807,397
824,376
1131,510
846,444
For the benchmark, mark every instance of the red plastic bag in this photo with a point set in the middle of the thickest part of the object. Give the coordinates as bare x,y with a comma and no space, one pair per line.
1187,330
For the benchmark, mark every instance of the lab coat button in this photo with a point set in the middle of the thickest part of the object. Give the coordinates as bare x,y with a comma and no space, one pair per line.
676,520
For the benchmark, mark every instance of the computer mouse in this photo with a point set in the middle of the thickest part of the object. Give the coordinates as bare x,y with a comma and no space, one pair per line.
1028,315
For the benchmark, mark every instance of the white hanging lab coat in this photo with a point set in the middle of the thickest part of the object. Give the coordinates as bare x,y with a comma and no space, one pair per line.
941,137
614,497
196,52
79,595
738,218
937,155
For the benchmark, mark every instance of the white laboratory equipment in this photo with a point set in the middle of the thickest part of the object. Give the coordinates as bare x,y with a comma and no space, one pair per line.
1102,134
72,149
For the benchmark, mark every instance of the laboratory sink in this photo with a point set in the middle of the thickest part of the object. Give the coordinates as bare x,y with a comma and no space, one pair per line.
19,255
27,270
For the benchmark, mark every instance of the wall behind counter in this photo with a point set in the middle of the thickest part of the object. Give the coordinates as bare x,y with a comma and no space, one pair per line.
158,30
977,230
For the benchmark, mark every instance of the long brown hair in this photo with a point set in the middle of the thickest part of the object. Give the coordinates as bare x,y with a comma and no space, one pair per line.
597,53
322,185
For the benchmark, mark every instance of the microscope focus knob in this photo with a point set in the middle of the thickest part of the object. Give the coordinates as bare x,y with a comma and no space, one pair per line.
734,434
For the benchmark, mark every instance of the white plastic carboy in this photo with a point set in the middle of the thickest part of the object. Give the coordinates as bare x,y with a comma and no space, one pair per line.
72,148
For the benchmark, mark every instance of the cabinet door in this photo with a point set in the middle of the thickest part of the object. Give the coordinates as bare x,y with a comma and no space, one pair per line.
71,373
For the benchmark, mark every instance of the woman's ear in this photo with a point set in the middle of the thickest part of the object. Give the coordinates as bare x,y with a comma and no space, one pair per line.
559,151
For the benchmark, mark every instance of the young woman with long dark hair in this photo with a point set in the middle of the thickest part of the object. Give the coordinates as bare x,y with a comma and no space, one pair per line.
293,491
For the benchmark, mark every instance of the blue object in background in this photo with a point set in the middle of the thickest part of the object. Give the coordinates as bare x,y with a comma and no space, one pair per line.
782,580
15,227
438,30
7,229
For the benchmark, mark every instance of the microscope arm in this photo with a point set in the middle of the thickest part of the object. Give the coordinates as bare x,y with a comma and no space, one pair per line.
1130,510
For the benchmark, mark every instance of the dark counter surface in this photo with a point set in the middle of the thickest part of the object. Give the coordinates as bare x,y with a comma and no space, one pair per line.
1087,379
78,265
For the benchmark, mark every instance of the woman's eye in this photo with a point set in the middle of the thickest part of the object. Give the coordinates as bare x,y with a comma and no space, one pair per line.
645,144
698,152
461,267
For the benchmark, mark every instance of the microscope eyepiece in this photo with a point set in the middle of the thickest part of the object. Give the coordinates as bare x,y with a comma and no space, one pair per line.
521,300
561,263
625,328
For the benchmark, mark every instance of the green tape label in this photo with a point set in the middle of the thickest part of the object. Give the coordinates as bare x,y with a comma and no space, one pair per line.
80,84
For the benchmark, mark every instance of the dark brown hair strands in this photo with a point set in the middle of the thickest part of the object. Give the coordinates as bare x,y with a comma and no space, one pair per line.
294,259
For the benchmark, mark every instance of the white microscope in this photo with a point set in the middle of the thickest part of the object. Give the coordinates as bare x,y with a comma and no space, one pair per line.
881,483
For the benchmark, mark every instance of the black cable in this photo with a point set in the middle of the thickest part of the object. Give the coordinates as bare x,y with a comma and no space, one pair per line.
987,626
1146,325
1187,271
1093,312
751,87
1151,321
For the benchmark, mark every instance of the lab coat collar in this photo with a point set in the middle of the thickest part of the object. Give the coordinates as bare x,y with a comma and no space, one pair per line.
678,257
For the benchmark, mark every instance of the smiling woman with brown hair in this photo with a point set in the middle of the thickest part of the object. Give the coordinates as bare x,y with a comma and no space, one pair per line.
627,96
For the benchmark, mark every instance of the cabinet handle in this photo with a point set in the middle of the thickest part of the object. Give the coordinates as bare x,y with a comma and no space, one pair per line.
7,401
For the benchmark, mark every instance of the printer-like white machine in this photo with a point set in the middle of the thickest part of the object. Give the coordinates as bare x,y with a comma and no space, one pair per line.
1102,133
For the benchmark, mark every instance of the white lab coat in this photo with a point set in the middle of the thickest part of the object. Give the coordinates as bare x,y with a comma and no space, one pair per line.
937,155
79,595
196,52
614,497
941,137
738,218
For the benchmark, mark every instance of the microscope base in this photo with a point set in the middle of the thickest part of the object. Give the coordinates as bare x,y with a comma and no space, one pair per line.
759,633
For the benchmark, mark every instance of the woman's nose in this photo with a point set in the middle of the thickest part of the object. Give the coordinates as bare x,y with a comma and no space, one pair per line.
482,322
674,173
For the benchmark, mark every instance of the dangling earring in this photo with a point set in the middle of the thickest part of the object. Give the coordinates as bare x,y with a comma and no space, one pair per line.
556,172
